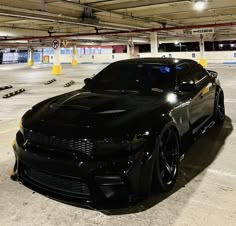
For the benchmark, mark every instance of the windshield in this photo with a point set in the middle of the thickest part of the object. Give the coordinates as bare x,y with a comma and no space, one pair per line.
133,76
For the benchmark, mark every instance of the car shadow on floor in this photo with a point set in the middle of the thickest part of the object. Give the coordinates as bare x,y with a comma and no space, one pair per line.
199,156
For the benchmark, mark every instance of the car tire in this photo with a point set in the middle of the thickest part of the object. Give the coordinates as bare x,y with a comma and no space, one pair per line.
219,115
167,160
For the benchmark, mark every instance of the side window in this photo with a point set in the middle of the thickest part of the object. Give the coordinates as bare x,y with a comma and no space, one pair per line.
198,72
184,73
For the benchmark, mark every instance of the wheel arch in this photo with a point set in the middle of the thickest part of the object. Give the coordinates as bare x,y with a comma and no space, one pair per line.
218,90
168,125
172,124
219,98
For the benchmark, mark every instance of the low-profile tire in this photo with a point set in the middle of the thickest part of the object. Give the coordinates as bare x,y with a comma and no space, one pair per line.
167,160
219,116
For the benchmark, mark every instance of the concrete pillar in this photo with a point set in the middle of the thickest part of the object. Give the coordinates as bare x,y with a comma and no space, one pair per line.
154,44
57,68
42,56
130,48
30,59
74,56
203,60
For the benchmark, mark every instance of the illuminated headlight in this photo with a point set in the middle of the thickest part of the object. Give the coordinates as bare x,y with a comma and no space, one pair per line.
171,98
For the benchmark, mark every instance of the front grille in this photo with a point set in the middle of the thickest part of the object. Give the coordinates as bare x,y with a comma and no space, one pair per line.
59,183
85,146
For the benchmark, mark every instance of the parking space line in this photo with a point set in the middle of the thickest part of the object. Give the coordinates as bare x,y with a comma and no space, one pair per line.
221,173
230,100
9,130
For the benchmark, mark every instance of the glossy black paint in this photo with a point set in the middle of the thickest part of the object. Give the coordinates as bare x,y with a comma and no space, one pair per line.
90,147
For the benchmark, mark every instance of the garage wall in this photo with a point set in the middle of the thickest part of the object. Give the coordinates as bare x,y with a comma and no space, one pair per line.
226,57
96,58
102,58
221,57
212,57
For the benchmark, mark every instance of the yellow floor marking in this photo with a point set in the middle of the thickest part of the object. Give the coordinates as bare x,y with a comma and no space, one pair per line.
11,172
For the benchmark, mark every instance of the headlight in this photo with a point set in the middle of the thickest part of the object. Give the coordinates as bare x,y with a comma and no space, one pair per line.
21,126
13,143
109,146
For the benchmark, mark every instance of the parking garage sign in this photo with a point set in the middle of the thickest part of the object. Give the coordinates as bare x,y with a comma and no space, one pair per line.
203,31
55,44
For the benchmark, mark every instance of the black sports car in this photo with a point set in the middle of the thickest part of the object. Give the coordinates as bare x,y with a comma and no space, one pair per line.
119,136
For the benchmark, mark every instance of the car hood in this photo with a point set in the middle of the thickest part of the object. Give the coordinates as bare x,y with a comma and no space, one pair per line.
88,113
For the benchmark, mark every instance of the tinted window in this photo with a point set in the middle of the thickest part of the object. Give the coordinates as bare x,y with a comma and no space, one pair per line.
134,76
184,73
155,76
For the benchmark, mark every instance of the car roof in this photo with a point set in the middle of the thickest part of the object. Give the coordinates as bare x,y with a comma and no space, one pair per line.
158,60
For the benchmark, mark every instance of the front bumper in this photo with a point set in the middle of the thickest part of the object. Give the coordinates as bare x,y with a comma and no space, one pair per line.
95,183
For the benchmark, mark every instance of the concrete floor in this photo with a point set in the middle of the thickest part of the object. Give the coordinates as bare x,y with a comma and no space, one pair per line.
205,193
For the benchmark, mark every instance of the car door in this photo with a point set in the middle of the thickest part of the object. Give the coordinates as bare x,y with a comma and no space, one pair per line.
184,75
208,87
201,107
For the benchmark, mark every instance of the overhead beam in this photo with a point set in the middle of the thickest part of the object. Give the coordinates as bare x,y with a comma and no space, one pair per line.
22,28
96,1
51,1
179,9
180,12
49,17
137,4
126,32
11,21
120,14
40,16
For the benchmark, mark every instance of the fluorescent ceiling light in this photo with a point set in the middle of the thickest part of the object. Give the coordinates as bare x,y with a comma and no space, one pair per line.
200,5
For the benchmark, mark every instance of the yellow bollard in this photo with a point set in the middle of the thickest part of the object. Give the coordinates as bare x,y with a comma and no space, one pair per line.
203,62
57,70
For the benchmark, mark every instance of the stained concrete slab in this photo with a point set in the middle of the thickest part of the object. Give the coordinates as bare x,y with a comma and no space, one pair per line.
205,193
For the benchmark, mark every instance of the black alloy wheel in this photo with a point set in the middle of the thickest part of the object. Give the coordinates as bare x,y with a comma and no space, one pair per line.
220,109
167,160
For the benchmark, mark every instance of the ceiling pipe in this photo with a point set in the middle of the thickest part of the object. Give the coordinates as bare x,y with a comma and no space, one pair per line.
123,32
46,17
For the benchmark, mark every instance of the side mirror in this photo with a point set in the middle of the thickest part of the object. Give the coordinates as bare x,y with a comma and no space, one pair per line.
187,87
213,74
87,81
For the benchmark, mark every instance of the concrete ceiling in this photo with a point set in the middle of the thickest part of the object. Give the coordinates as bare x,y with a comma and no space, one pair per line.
36,20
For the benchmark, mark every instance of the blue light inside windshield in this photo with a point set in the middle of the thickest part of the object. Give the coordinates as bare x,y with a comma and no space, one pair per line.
164,69
178,68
